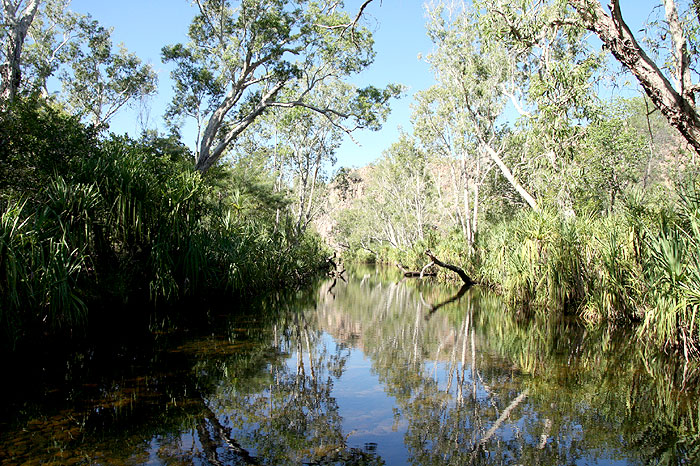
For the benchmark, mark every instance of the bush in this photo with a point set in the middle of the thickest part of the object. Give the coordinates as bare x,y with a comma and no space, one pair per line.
83,219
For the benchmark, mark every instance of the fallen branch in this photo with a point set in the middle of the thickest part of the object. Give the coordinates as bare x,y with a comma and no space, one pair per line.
462,274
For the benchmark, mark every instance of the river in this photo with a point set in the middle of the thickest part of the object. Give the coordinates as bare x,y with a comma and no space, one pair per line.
376,370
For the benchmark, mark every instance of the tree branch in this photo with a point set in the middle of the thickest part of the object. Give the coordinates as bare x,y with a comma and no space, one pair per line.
462,274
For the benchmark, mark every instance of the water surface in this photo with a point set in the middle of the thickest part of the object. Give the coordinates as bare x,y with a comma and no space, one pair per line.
375,370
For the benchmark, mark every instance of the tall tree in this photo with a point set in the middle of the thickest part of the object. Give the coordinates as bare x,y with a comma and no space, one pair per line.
440,124
239,59
548,75
673,91
98,81
473,71
77,50
17,17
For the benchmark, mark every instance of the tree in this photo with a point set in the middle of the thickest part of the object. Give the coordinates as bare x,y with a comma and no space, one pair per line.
440,125
76,49
551,74
239,60
473,70
397,205
673,91
50,44
100,82
612,160
17,17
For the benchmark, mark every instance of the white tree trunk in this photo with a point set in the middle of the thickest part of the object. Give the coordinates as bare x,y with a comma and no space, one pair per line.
509,176
10,71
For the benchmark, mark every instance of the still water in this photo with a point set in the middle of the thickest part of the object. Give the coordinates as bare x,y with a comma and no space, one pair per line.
376,370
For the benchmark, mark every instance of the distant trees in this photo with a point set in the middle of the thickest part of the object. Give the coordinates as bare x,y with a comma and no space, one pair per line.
398,207
520,115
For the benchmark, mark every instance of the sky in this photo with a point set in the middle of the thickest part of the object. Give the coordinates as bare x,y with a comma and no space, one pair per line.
145,26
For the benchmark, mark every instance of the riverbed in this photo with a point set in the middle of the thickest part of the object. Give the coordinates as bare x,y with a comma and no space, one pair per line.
372,370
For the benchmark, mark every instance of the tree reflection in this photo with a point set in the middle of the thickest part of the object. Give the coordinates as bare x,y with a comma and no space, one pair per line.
480,385
471,383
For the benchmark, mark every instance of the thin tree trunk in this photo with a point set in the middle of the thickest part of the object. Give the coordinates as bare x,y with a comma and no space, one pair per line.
465,197
475,215
652,149
509,176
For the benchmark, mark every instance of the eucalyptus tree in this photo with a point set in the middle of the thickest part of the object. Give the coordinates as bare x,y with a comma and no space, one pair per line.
534,56
295,147
98,81
311,142
50,43
441,126
397,208
667,75
75,49
242,55
17,17
471,71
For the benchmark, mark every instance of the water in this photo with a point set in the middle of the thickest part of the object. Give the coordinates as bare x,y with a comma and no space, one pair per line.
375,371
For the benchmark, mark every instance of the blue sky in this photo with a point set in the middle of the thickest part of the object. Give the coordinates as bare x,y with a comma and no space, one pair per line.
145,26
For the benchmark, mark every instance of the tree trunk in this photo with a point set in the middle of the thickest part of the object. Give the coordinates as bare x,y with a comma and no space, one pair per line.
475,215
509,176
11,72
465,197
678,106
213,145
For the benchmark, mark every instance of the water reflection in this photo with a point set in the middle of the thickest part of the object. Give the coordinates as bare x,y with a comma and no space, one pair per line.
375,370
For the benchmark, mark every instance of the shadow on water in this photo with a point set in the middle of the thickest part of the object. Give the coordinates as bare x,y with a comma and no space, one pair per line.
378,370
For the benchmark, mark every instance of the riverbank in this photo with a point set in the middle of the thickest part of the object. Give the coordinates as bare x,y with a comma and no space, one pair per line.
87,220
639,266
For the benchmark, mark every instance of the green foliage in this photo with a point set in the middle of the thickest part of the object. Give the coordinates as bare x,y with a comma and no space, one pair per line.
672,267
123,218
29,155
245,57
101,81
612,159
76,51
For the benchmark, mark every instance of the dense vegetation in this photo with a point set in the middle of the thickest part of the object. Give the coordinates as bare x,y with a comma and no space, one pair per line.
88,219
522,166
526,170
